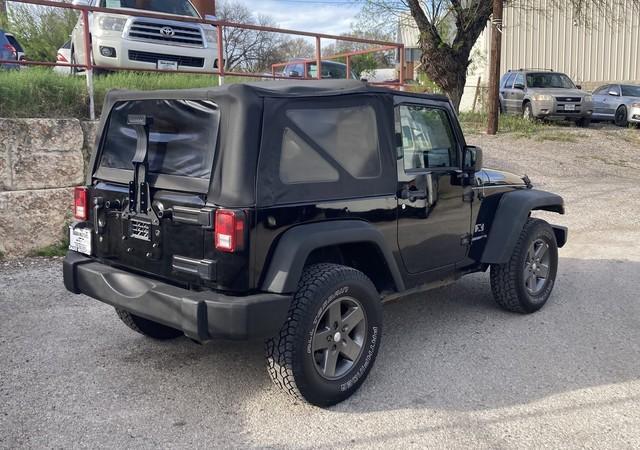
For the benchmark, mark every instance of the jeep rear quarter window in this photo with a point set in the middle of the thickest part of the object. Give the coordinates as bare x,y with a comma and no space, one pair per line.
182,137
328,148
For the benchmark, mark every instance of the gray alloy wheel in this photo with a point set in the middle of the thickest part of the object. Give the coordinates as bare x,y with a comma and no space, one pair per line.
527,112
621,117
536,267
339,337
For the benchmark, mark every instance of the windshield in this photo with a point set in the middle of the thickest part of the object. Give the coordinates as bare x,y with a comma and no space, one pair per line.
549,80
631,91
178,7
182,136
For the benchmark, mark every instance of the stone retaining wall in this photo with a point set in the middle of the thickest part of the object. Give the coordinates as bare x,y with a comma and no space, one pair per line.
40,162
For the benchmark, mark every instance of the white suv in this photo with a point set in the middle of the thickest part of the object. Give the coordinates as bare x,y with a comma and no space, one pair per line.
127,41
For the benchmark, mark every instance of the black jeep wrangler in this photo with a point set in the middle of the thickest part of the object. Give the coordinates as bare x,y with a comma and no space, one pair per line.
290,211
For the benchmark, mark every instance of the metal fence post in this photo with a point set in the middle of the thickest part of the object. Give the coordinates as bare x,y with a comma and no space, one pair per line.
401,74
318,58
348,67
88,65
220,55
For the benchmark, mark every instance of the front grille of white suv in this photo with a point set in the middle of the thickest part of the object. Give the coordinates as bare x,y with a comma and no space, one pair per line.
159,32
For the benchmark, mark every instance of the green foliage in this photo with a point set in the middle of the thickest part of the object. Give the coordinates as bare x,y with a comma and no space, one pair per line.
39,92
59,249
40,30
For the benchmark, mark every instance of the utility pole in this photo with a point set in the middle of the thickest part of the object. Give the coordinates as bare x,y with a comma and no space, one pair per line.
494,67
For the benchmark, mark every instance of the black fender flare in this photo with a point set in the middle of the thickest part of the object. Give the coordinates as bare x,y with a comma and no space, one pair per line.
513,211
296,244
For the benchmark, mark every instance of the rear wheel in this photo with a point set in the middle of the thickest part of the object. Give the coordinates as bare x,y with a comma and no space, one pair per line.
525,282
621,118
329,343
147,327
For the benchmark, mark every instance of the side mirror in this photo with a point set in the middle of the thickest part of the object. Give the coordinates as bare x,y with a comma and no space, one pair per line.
519,86
81,3
579,86
472,157
614,94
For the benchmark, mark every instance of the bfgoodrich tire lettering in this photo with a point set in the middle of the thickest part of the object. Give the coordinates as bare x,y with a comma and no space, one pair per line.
295,363
525,282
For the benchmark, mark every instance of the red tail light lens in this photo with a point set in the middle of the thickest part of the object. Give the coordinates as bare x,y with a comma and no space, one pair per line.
81,203
11,48
60,57
229,230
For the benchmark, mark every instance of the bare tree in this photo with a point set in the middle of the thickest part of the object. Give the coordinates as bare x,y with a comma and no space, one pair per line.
450,28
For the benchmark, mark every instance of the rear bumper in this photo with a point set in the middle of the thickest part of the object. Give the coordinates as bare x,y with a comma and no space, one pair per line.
200,315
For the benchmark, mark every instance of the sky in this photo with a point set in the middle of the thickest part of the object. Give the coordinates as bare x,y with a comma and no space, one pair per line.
326,16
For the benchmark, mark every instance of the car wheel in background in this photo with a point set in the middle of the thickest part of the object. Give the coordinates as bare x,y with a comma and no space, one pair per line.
527,112
621,117
585,122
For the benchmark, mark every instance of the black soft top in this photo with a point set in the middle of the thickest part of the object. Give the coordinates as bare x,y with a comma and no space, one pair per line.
241,124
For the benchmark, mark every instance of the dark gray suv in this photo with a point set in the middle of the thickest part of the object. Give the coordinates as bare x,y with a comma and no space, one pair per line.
544,95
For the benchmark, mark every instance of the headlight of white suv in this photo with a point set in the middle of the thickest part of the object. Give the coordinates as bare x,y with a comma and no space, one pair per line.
109,23
211,35
542,98
587,98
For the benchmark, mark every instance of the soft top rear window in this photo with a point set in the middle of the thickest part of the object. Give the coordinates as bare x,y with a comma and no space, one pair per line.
182,136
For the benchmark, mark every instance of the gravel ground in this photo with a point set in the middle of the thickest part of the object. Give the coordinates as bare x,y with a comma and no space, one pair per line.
454,371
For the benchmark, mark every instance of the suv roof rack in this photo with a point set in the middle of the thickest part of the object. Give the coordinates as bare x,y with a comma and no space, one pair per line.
526,69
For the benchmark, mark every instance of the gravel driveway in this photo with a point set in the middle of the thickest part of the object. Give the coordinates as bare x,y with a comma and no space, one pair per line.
453,371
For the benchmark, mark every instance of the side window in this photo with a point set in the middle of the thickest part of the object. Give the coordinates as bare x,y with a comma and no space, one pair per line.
427,138
508,81
602,90
519,81
299,163
295,70
328,141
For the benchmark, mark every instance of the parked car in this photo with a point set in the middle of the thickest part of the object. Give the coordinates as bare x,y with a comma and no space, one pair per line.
291,211
63,57
301,68
617,102
7,52
19,50
143,43
548,95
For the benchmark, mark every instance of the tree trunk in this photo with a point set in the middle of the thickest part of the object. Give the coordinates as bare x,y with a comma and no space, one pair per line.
450,73
3,7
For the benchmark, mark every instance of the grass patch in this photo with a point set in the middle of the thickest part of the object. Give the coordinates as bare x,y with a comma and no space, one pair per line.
475,123
59,249
40,92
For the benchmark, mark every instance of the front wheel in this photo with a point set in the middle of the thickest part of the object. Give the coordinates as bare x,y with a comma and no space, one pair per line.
527,112
585,122
330,340
622,117
525,282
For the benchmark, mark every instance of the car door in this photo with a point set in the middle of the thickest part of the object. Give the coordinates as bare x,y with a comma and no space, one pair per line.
434,210
613,100
517,96
600,102
506,90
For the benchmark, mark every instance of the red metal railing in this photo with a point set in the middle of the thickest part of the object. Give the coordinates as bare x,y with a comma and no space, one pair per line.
89,66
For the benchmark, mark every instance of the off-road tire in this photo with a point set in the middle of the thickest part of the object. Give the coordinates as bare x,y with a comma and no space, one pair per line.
621,117
147,327
290,359
508,280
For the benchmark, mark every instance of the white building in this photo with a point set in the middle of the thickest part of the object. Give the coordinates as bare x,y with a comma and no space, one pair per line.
601,49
